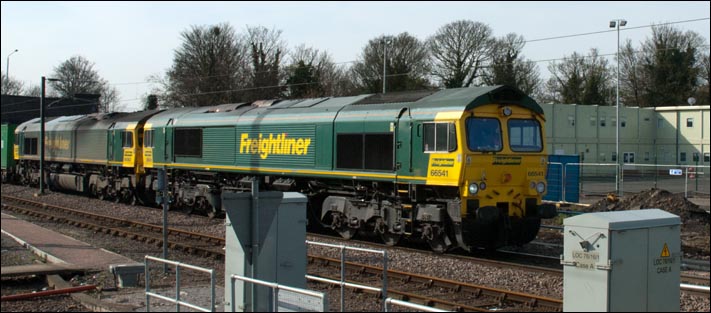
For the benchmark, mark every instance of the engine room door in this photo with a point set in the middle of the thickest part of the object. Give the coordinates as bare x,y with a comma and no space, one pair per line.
403,143
168,140
110,142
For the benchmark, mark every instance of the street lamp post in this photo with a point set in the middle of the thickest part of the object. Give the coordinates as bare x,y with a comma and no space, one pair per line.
7,67
616,24
41,143
386,42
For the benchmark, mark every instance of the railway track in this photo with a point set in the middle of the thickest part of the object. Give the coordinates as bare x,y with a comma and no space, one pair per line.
211,246
193,243
435,292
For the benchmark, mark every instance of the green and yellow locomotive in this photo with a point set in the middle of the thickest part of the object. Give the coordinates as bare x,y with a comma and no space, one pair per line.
455,168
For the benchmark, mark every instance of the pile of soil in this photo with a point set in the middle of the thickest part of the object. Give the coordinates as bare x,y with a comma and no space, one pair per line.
695,232
651,199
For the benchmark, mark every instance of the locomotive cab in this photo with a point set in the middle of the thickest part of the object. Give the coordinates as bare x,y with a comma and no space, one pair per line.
504,173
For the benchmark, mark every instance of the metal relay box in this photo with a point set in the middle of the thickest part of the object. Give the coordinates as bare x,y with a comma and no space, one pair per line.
622,261
280,255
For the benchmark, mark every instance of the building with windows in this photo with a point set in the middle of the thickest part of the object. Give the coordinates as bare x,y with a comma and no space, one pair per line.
676,135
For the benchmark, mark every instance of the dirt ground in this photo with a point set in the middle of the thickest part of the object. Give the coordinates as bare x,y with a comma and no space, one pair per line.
695,235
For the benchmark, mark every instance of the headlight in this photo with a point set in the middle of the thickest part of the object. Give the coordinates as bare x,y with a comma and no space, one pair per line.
473,189
540,187
507,111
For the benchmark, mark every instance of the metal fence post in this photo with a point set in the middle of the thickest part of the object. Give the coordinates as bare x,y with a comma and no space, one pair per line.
622,177
385,278
148,285
177,288
686,181
343,276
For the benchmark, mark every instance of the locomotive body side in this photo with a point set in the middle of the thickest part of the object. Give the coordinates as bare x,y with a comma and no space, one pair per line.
92,154
9,152
455,168
393,166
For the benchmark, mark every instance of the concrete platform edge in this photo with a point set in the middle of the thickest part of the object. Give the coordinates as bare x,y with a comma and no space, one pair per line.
50,258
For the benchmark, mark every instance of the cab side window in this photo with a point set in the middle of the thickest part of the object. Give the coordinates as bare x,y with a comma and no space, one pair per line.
439,137
127,138
148,138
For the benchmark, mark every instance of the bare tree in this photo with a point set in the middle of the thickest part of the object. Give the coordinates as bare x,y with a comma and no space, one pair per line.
208,68
670,61
508,67
704,68
35,91
266,50
632,77
459,50
77,75
11,86
665,70
305,72
581,79
312,73
702,95
407,64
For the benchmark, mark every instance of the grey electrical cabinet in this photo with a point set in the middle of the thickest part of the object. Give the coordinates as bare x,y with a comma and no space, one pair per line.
621,261
280,245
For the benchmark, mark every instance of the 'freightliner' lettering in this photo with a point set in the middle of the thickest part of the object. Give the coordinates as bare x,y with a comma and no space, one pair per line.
279,144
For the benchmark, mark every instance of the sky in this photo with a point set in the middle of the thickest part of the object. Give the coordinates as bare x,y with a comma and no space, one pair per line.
130,41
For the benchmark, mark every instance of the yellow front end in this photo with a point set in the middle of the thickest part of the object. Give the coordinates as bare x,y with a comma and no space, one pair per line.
512,167
503,173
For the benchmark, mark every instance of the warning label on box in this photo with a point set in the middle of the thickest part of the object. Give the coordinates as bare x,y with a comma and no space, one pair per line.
585,260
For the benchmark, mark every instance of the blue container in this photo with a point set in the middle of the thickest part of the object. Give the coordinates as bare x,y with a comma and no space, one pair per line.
561,175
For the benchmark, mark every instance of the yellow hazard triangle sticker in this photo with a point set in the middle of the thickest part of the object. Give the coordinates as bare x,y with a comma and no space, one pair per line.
665,251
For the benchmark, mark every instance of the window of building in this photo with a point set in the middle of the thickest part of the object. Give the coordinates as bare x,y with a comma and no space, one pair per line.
682,156
623,122
646,156
690,122
188,142
614,122
707,157
602,122
593,121
571,120
614,156
660,122
695,157
628,157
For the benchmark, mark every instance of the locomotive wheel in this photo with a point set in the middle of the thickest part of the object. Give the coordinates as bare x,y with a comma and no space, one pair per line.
390,239
212,213
438,244
347,232
436,238
339,223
